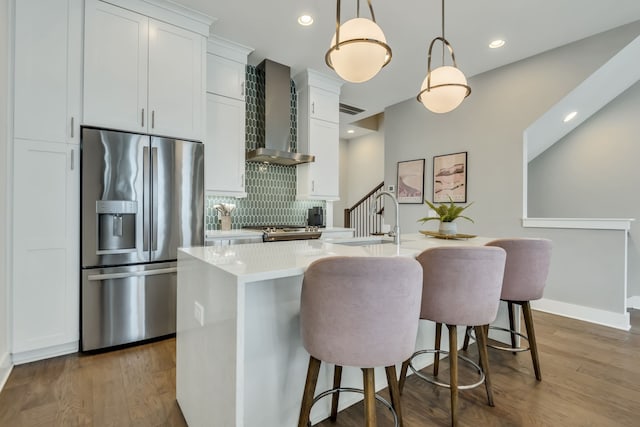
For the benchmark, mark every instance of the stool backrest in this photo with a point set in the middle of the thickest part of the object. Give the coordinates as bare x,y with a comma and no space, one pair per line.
527,268
461,284
361,311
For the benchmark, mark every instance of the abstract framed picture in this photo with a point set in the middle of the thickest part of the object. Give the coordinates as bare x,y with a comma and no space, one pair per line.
450,178
410,187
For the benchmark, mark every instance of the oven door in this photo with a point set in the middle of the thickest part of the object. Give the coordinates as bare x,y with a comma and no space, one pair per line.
121,305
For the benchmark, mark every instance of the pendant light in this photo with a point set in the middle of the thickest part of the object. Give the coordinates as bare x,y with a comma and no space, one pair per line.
445,87
358,49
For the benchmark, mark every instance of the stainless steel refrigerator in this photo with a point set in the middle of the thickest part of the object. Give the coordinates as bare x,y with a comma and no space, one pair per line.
142,198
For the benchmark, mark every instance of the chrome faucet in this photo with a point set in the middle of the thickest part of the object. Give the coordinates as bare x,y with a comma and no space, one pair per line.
395,233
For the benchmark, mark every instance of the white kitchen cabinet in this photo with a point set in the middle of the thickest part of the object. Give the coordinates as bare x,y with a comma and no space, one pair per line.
224,151
142,75
224,172
318,134
48,70
226,77
45,249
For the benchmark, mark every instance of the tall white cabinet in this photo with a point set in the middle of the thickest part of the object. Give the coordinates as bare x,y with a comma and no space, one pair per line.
142,74
226,113
49,108
46,179
318,134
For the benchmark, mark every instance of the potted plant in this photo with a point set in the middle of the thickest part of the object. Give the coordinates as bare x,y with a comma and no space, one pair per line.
446,214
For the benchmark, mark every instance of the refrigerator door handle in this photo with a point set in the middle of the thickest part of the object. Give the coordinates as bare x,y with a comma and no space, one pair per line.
145,203
154,198
98,277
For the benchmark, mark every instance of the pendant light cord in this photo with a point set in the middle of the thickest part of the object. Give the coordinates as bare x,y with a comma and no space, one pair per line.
443,32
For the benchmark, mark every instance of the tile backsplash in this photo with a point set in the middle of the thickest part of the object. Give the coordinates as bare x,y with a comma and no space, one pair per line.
271,189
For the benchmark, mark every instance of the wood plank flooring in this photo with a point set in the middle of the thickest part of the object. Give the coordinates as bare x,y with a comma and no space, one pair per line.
591,377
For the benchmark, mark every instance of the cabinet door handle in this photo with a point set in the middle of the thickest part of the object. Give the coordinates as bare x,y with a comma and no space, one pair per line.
242,180
153,119
72,127
313,185
313,108
72,158
142,118
242,88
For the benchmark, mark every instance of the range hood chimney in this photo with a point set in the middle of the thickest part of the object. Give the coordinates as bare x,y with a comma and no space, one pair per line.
277,111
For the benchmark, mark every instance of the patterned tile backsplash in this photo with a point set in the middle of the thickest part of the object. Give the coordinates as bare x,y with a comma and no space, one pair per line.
271,189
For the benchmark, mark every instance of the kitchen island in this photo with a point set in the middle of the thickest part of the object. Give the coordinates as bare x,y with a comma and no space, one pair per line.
240,360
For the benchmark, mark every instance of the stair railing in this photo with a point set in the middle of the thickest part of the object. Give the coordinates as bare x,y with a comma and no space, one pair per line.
358,217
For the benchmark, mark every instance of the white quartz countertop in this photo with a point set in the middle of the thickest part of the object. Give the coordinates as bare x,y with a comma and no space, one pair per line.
272,260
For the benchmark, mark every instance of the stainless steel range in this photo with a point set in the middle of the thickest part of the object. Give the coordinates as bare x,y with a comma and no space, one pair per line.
278,233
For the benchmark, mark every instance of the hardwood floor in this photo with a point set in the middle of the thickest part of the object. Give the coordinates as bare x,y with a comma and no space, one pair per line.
590,377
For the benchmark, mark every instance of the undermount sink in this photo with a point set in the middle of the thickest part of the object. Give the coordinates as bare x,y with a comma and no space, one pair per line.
365,242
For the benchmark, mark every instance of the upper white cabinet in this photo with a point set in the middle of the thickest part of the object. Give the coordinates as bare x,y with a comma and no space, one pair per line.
318,134
141,74
225,140
48,70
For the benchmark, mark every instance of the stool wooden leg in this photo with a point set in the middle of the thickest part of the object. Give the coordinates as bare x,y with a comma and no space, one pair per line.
481,339
309,390
337,379
528,321
512,325
465,346
369,397
403,375
436,359
453,372
394,392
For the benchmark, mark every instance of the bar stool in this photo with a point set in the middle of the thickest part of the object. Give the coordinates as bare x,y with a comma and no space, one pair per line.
361,312
525,276
461,286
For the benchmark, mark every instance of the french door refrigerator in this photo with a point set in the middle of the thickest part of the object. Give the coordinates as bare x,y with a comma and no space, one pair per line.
142,198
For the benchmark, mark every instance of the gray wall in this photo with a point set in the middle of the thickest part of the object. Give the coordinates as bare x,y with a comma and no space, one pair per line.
489,126
594,172
4,99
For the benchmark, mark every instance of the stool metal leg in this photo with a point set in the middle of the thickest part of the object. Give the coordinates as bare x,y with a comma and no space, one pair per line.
528,321
436,360
465,346
453,371
484,360
309,390
369,397
337,379
394,392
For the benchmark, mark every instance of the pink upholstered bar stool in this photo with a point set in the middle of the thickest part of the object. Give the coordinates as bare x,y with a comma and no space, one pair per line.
525,276
461,286
362,312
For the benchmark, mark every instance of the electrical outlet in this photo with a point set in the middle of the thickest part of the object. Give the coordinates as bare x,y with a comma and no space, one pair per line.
198,313
391,188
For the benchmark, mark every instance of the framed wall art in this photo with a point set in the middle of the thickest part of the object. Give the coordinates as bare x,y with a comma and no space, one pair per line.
450,178
410,186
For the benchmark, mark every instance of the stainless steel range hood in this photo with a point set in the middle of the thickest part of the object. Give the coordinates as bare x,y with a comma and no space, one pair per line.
277,110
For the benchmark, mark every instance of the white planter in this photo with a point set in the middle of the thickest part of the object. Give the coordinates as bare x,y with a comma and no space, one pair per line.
448,228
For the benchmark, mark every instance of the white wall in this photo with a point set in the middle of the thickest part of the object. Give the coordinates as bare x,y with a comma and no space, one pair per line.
594,173
489,126
361,169
4,100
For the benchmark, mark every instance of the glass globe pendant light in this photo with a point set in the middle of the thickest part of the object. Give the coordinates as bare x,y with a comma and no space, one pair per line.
445,87
358,49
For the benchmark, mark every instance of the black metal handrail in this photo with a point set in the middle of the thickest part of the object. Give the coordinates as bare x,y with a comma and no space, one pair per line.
358,217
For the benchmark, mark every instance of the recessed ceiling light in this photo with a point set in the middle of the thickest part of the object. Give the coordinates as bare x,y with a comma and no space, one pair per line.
351,131
570,116
305,20
496,44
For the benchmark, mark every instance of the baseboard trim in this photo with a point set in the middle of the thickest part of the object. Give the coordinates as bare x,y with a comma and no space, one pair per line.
5,369
634,302
588,314
44,353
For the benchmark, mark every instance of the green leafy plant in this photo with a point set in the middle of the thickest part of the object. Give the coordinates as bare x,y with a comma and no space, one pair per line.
446,212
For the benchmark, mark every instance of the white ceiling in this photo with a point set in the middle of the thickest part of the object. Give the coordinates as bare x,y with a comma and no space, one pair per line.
529,26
